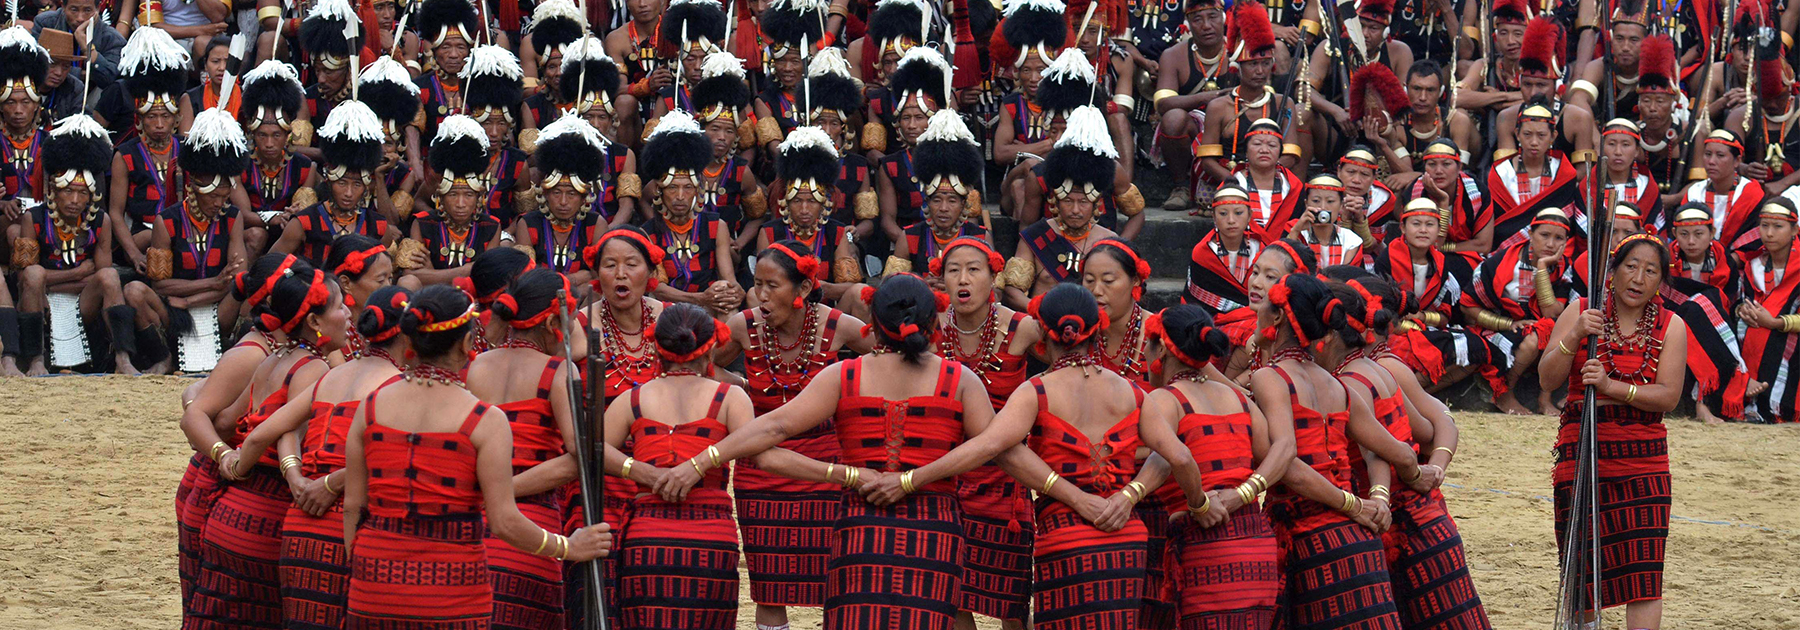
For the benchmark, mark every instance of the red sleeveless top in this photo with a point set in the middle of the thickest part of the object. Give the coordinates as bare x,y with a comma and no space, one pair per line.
1320,440
1634,365
1391,413
770,389
267,408
1097,468
536,438
327,435
1001,371
1221,446
421,474
897,435
668,445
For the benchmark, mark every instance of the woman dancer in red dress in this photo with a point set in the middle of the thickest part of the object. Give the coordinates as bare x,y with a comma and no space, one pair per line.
526,379
787,523
1335,573
425,459
1637,336
992,341
207,425
240,544
1089,555
315,565
897,549
1425,557
1223,558
678,563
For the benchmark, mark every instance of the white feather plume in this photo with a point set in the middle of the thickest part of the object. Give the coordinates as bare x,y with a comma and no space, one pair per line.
674,3
923,8
386,69
947,126
801,5
572,124
720,64
829,61
459,126
588,48
491,60
673,122
81,125
353,121
1086,130
1013,6
924,54
272,69
333,10
20,37
1071,65
214,130
552,9
809,137
151,49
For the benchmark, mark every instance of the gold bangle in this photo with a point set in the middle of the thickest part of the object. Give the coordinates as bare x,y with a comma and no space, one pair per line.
543,539
1381,492
1564,348
562,547
1445,449
1262,483
1205,506
1127,491
1049,482
1631,394
851,475
1417,473
1349,506
713,452
625,469
1141,490
1246,492
218,450
829,469
289,462
328,485
906,482
696,463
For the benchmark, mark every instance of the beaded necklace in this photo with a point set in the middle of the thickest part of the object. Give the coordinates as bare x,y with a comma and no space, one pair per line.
620,351
987,346
787,373
1082,360
428,374
521,342
379,353
1296,353
1130,352
1641,342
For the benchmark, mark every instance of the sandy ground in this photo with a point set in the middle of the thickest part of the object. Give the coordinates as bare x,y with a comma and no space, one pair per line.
88,467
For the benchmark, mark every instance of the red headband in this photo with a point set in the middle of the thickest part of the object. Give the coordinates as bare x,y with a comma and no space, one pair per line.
995,262
317,294
1538,222
1730,143
1621,130
1299,266
467,285
268,283
387,330
592,253
1153,328
807,265
1349,160
1067,330
1138,264
721,334
1433,213
356,262
527,323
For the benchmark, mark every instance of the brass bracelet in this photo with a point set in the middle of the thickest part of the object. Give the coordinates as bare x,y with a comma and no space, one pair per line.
1162,94
543,539
289,462
713,452
1049,482
562,548
906,484
1205,506
1445,449
625,469
1564,348
1351,503
695,462
1381,492
1631,394
1262,483
1247,493
328,485
1546,291
1141,491
218,450
851,474
829,469
1417,473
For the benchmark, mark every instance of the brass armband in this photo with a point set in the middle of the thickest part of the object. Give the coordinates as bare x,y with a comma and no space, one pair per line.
972,206
530,83
1493,321
1444,222
1311,27
874,137
1584,85
629,186
867,205
1472,33
1210,150
746,134
1433,319
527,249
755,204
523,203
1696,174
1787,40
268,12
1162,94
1790,323
1289,148
1546,292
24,253
528,140
300,133
418,121
1125,102
402,201
159,263
1020,273
1584,156
768,131
846,270
896,265
1502,154
403,253
306,197
1130,202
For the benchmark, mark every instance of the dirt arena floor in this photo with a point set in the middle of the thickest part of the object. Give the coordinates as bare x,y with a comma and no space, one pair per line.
88,467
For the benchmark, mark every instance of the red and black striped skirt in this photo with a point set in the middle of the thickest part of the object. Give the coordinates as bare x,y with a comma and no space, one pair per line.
1634,492
528,588
239,583
199,489
998,530
614,504
1335,571
315,569
417,573
1227,575
787,543
1431,575
1158,612
1086,578
897,567
678,564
